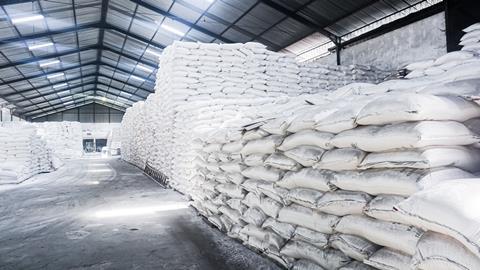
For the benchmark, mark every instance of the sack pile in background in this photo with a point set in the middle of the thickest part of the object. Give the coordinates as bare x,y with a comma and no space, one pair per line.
133,135
314,76
63,138
23,153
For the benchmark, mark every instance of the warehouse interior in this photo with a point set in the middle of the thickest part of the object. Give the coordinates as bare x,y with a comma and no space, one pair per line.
240,134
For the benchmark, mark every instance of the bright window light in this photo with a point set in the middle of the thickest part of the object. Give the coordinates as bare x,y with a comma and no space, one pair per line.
144,68
27,19
137,78
140,211
49,63
172,30
55,75
63,92
153,52
39,46
60,85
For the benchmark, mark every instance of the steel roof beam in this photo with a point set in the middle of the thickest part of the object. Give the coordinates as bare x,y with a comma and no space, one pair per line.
63,108
77,78
50,33
52,84
50,72
73,98
183,21
299,18
49,56
80,85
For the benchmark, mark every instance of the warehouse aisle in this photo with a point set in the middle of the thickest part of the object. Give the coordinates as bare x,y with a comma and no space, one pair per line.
105,214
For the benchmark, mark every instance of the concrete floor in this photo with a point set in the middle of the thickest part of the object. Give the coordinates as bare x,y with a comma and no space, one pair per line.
105,214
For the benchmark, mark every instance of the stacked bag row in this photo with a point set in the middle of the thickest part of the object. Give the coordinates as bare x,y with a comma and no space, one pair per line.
65,138
133,135
23,153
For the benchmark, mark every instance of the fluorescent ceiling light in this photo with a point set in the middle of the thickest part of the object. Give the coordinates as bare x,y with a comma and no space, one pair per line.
153,52
39,46
63,92
137,78
49,63
55,75
60,85
172,30
68,102
144,68
27,19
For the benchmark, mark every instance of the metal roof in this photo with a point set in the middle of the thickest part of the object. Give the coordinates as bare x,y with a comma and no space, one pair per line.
89,51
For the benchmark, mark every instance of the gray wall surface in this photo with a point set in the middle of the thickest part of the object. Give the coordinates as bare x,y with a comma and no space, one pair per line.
91,113
418,41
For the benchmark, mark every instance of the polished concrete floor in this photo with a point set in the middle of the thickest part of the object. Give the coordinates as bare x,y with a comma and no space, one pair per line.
105,214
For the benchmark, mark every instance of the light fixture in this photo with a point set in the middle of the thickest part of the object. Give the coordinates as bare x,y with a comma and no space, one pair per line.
144,68
49,63
137,78
27,19
153,52
63,92
68,102
172,30
60,85
39,46
55,75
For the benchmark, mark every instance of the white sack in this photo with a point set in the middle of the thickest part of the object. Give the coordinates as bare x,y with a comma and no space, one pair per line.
308,218
307,137
448,208
387,259
282,162
433,157
393,235
340,159
263,173
266,145
341,203
328,258
307,178
440,252
353,246
391,108
406,136
304,196
305,155
403,182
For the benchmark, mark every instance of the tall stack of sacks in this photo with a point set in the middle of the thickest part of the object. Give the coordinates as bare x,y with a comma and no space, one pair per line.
205,87
23,154
133,135
316,76
64,138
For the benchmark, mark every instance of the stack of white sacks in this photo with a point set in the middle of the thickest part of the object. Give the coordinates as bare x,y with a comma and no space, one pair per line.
64,138
134,135
372,177
356,178
23,153
203,88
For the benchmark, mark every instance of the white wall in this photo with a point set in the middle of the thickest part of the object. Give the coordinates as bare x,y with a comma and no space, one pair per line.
418,41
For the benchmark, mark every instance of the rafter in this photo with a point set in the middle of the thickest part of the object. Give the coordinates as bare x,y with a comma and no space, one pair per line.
183,21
